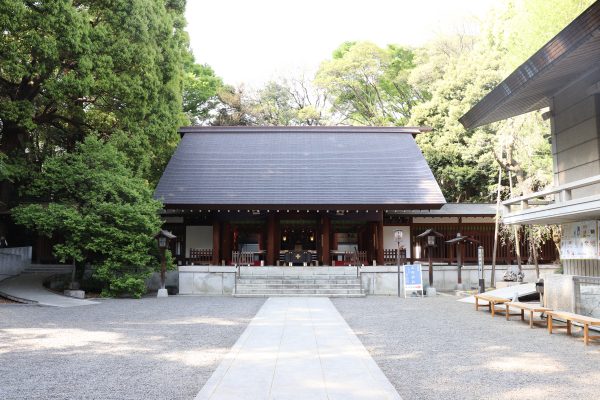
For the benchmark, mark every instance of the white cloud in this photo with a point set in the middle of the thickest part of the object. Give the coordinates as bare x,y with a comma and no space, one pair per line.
253,40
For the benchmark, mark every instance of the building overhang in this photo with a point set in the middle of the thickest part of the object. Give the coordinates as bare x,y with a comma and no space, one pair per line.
571,54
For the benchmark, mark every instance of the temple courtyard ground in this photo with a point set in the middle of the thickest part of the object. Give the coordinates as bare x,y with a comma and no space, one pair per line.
428,348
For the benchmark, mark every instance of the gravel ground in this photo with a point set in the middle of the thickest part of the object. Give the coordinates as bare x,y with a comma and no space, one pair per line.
119,349
436,348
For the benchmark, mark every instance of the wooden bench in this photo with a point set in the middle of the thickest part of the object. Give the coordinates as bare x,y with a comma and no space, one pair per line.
492,301
531,307
571,317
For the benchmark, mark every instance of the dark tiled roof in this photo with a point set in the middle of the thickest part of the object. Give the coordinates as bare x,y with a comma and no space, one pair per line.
298,166
572,53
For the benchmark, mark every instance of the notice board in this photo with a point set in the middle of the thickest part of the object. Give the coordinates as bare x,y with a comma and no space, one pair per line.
579,240
413,279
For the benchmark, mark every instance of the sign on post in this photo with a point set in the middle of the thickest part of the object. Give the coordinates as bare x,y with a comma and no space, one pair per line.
413,279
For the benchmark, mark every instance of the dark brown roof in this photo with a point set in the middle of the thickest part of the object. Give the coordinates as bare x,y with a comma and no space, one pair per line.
314,167
572,53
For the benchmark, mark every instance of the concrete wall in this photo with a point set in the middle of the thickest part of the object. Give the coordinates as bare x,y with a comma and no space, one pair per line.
198,237
559,292
13,260
378,280
581,267
390,243
206,280
575,133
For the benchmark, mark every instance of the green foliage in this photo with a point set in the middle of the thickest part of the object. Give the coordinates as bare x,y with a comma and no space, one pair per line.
200,90
290,102
100,212
523,27
107,68
368,85
454,74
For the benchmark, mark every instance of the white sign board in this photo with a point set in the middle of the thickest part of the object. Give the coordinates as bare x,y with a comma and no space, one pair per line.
579,241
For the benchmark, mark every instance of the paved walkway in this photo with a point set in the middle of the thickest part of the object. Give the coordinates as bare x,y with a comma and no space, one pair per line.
298,348
30,287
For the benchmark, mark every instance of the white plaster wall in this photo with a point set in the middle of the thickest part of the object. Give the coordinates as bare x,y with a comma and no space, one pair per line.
435,220
390,243
198,237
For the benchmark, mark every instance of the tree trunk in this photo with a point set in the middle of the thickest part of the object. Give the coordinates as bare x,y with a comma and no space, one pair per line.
497,223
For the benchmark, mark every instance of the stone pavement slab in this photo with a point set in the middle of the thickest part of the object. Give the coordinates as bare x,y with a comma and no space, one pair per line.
298,348
30,287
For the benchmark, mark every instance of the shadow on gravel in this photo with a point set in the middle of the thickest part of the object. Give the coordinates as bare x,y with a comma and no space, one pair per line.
119,349
436,348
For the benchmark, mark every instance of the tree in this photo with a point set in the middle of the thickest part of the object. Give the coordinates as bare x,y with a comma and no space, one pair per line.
292,101
368,85
111,68
200,92
453,74
102,213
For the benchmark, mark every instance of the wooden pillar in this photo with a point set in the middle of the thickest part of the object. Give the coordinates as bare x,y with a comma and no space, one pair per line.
271,238
226,253
380,260
325,235
216,247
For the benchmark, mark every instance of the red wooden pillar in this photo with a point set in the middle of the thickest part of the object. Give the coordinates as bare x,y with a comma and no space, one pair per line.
271,238
380,260
216,247
325,232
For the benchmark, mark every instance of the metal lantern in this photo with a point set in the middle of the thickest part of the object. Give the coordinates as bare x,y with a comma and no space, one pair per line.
398,235
431,240
162,238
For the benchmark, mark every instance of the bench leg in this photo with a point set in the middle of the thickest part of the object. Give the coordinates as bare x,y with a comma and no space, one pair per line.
476,304
522,315
493,308
586,334
549,319
530,318
568,327
507,311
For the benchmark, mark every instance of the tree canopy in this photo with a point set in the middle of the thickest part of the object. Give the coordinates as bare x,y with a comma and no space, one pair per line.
98,212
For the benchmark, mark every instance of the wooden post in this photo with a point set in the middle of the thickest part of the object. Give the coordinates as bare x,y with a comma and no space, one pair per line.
325,232
216,250
380,260
226,255
271,239
459,261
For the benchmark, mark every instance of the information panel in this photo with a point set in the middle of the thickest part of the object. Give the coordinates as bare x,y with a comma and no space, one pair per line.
413,279
579,240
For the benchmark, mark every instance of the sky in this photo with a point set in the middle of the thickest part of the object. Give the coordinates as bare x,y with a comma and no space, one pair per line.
253,41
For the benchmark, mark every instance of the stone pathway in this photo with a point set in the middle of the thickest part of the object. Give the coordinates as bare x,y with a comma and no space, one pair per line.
30,287
298,348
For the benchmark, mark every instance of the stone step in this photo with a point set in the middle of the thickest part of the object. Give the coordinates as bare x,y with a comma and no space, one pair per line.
299,281
298,286
311,277
296,295
299,291
47,268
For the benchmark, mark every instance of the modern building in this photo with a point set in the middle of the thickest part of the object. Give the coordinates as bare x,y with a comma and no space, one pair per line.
564,76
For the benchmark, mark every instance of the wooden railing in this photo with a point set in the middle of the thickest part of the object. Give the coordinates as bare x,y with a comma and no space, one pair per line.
200,256
242,258
561,194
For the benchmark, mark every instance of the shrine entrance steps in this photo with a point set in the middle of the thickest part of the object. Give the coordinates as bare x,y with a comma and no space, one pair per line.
298,281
